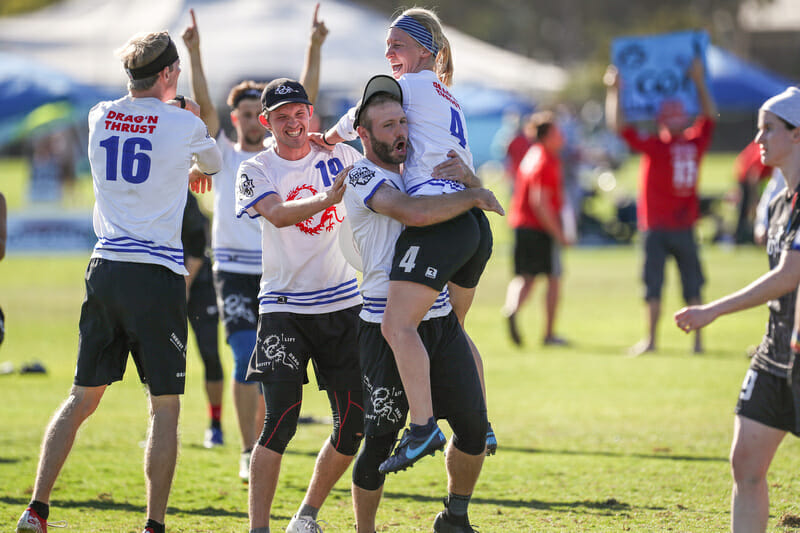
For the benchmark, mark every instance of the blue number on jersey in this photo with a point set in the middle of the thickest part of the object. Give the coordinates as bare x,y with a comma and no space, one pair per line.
334,166
457,128
135,167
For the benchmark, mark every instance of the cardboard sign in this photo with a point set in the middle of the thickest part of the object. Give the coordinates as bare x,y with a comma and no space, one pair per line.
654,68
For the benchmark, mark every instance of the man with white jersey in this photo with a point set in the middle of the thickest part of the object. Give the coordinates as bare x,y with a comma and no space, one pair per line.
236,242
141,148
308,302
378,208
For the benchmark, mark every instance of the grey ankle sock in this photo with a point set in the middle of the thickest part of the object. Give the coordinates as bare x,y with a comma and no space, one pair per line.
307,510
260,530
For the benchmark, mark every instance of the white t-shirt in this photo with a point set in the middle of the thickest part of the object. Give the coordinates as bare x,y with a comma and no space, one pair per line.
303,269
236,242
140,151
436,125
375,235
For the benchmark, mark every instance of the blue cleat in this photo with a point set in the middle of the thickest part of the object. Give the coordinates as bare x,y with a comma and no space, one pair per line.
411,449
213,438
491,441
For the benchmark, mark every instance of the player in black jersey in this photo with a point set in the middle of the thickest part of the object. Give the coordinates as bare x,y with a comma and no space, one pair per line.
769,402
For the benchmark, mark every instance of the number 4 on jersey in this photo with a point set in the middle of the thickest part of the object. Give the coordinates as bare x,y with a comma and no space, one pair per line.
457,127
408,262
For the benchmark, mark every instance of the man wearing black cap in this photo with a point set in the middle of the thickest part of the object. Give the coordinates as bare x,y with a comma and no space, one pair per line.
308,300
378,209
141,148
236,242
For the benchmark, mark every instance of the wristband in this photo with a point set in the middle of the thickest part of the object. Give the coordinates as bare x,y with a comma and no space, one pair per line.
182,99
326,140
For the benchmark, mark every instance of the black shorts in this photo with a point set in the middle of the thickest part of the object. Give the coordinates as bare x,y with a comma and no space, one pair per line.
535,252
138,308
455,384
237,300
770,400
680,244
455,250
287,341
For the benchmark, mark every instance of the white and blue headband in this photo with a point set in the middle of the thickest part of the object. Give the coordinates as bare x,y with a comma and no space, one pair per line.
786,105
420,33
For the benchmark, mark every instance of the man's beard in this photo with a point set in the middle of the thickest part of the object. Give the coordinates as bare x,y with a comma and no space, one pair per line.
383,151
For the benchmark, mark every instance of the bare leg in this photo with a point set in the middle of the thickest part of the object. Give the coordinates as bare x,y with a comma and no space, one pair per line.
246,402
60,436
406,306
161,453
517,293
648,344
330,466
551,305
462,470
753,448
214,390
698,340
365,507
265,467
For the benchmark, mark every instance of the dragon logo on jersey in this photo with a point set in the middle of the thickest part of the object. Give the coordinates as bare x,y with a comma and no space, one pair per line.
236,307
274,350
315,224
384,401
284,89
360,176
246,186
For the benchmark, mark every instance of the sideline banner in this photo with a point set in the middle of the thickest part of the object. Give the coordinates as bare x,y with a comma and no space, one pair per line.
653,69
50,233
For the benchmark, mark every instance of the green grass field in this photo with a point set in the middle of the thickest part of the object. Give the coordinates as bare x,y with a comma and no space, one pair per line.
589,440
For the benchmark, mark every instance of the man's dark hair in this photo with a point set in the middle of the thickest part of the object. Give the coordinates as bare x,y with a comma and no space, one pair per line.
375,99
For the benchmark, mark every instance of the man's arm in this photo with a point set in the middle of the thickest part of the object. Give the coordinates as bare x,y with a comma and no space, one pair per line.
697,73
775,283
615,117
427,210
282,214
311,68
208,113
539,198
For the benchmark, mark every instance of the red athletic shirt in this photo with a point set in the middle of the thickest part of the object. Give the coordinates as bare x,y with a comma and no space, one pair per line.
668,175
516,150
538,169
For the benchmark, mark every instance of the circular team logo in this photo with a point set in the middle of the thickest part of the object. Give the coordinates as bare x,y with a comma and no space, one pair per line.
314,225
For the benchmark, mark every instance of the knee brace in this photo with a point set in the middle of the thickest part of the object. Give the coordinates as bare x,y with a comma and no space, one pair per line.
242,344
365,469
282,401
469,432
348,421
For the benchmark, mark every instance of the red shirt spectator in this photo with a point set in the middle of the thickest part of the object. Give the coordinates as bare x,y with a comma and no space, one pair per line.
668,174
538,169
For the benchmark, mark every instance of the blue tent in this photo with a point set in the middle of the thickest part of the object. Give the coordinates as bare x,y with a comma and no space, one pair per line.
26,86
739,86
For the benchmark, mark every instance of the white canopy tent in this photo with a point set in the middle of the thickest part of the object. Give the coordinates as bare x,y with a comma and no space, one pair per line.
251,38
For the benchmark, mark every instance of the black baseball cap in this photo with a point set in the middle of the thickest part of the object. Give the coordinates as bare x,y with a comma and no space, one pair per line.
378,84
282,91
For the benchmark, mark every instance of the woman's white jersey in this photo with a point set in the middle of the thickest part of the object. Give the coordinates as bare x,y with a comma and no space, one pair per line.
436,125
140,151
303,269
